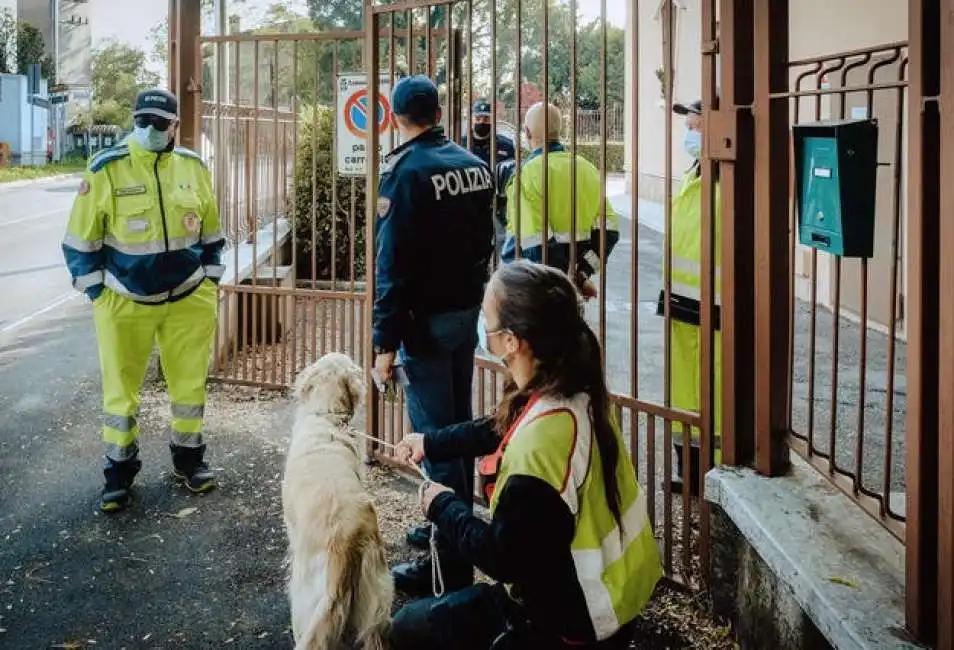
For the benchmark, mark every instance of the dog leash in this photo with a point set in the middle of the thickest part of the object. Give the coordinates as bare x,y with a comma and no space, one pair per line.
437,576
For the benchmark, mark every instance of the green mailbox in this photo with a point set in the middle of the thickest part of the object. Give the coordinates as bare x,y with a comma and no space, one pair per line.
836,166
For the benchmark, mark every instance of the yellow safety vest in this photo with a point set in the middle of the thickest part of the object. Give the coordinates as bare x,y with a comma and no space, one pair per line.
589,190
617,569
685,338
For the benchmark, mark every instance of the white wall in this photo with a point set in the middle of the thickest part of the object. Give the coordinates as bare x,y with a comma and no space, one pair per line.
15,123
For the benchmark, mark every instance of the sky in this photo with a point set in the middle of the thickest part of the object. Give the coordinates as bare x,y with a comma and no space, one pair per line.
131,20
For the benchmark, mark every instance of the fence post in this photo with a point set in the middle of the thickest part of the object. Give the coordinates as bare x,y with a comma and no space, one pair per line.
945,329
372,66
772,263
185,67
737,178
922,364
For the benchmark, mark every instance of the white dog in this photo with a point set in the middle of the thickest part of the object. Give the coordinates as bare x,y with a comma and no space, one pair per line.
339,587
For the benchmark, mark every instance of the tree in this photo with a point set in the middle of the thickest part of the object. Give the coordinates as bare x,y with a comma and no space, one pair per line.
30,49
119,74
8,41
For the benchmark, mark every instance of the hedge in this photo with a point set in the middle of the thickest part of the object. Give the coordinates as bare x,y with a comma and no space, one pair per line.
316,145
615,155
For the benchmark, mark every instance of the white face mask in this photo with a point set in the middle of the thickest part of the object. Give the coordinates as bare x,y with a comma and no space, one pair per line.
692,142
483,339
151,139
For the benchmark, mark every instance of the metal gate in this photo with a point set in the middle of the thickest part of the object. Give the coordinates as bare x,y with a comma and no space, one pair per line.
294,222
490,30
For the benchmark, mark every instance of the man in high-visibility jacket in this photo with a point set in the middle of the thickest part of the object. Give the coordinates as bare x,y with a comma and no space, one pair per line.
143,242
685,334
542,128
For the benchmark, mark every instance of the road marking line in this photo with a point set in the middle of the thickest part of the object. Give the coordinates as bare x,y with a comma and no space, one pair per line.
65,298
32,217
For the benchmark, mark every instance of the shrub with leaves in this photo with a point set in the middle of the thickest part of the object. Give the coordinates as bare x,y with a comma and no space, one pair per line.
314,214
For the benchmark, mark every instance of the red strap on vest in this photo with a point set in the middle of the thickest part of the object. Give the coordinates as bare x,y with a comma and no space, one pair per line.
489,466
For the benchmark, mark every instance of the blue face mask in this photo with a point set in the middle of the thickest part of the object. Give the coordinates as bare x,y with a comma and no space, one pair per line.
151,139
692,143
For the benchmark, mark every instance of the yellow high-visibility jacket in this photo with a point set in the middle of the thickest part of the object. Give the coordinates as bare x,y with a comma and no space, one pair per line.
144,224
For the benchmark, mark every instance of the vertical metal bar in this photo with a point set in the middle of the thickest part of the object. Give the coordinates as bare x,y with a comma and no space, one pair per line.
517,182
429,43
372,64
411,43
314,168
667,208
708,288
604,95
545,235
771,236
256,204
737,177
470,72
945,328
667,494
392,71
574,45
651,468
634,213
900,126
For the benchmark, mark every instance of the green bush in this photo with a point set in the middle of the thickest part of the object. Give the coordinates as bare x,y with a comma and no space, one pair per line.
615,155
313,189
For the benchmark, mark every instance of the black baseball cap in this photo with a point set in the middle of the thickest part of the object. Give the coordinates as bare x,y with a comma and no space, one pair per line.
694,108
158,102
415,97
481,108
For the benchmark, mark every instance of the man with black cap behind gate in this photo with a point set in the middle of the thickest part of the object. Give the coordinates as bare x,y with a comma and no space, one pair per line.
143,242
482,147
434,245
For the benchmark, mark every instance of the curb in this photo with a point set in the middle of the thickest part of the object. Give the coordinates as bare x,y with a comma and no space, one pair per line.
12,185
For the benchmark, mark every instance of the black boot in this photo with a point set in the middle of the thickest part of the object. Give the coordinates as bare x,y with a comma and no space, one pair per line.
415,579
189,468
119,479
420,537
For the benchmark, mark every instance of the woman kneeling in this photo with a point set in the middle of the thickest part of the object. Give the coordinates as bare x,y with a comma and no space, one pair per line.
569,542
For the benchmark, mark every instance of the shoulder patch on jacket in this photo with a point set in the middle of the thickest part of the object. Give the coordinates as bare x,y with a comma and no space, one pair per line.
392,161
107,156
188,153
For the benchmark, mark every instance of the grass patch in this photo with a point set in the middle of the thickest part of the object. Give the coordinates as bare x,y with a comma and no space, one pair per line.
10,174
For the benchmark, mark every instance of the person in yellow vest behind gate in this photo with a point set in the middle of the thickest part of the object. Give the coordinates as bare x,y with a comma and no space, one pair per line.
544,124
143,242
569,541
684,307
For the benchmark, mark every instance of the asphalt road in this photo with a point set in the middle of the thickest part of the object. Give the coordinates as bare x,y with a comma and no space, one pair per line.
32,222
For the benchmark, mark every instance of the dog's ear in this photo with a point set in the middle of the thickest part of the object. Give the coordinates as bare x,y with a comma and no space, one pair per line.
303,387
354,386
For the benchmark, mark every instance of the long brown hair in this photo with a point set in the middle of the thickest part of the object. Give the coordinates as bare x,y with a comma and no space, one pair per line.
540,306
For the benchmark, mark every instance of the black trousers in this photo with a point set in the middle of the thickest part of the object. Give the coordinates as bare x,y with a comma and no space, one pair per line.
481,617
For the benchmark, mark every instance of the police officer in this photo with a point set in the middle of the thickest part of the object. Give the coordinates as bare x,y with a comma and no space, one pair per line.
434,244
143,242
506,153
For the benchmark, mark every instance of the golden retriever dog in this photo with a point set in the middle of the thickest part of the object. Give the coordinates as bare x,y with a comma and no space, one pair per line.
339,588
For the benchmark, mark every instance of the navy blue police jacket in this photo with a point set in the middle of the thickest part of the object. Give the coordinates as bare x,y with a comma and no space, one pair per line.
434,235
505,149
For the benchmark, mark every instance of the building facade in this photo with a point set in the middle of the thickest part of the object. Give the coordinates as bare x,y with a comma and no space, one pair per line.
67,34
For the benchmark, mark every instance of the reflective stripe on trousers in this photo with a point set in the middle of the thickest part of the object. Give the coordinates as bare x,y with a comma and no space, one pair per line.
126,332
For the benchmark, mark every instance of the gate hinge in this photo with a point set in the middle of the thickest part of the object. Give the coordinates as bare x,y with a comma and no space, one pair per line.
721,129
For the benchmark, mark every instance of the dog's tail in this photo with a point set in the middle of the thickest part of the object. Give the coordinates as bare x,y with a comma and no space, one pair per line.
358,596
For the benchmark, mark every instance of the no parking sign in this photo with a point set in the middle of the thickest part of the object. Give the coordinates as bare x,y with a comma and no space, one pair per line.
354,119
